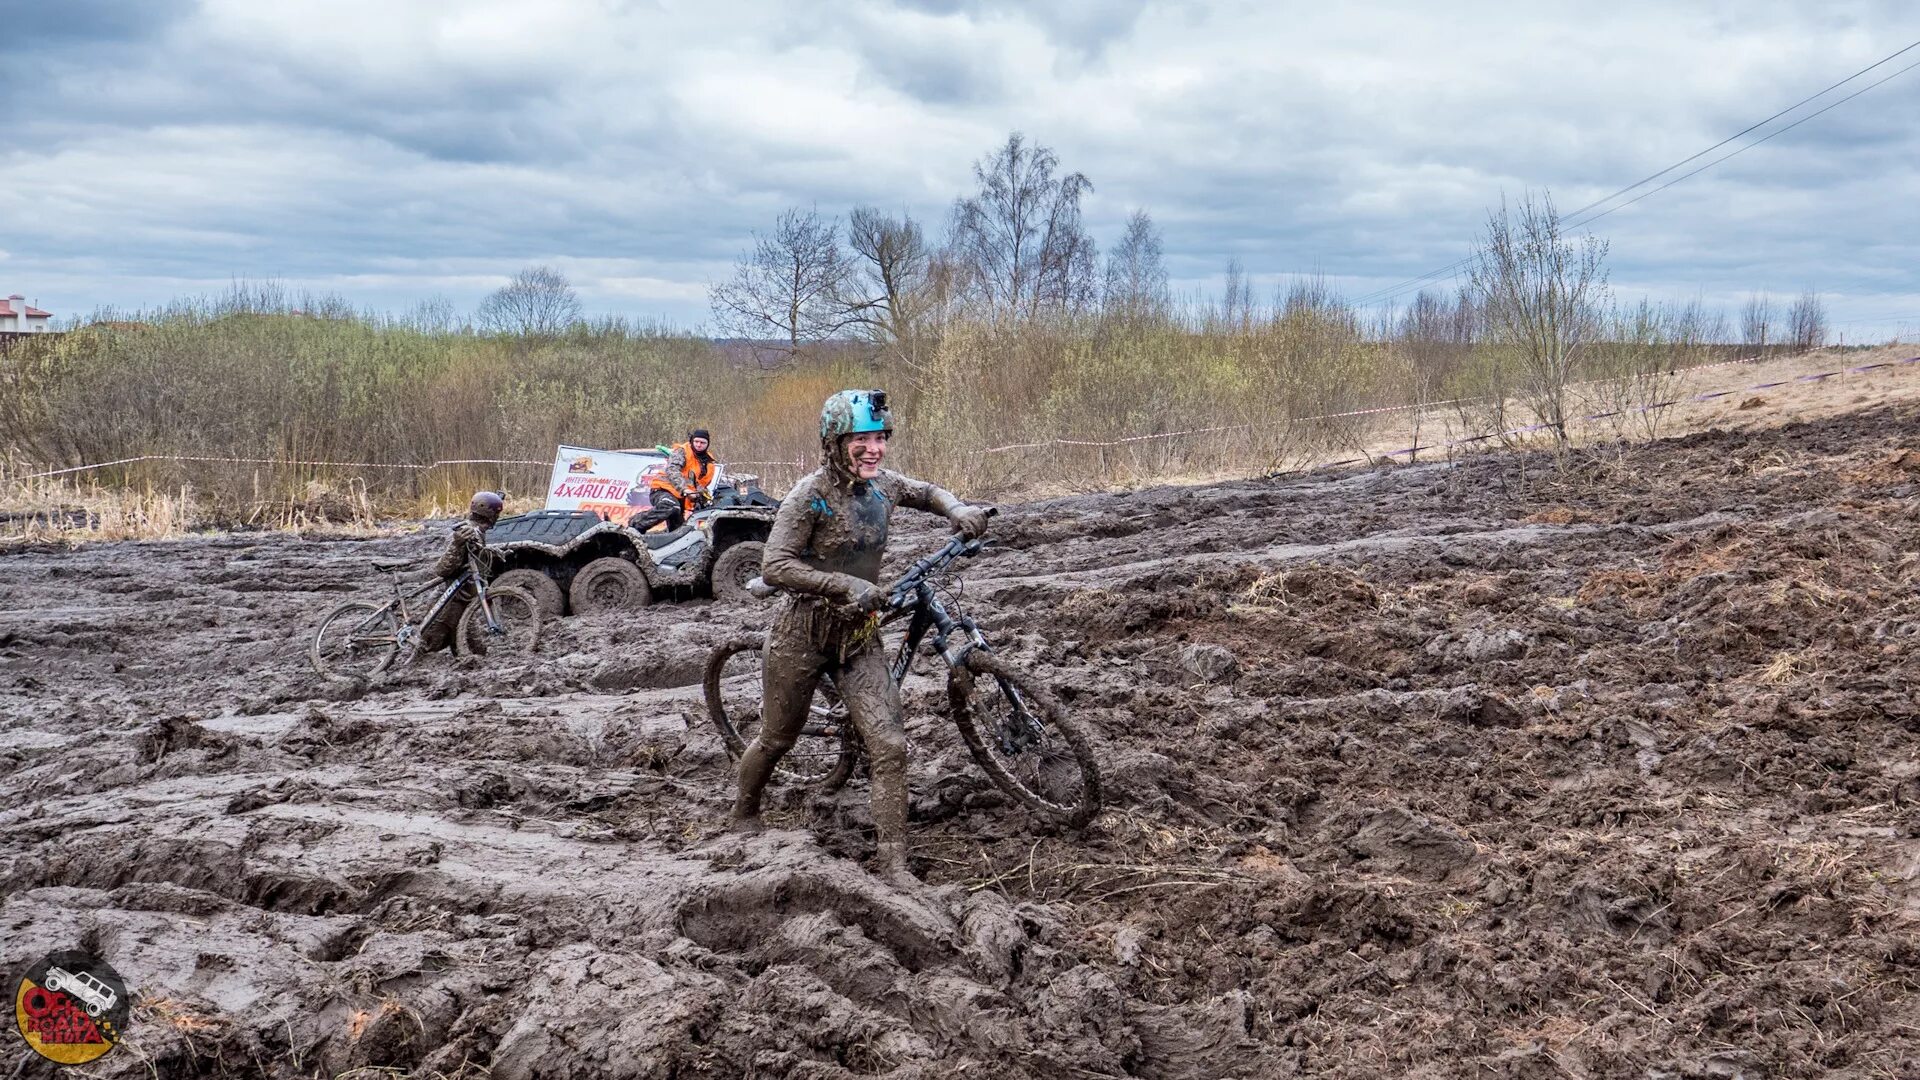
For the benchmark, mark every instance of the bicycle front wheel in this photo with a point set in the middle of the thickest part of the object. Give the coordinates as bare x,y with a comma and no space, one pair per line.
825,753
515,627
356,640
1024,739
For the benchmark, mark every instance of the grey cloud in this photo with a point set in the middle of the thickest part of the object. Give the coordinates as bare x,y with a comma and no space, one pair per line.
934,74
1291,144
36,26
1086,26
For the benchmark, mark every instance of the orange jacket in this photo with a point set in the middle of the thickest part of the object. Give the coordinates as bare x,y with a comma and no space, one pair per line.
685,474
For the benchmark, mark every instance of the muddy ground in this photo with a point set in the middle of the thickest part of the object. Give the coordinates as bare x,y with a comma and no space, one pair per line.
1482,771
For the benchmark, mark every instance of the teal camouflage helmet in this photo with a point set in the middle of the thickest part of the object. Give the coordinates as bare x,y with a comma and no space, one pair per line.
851,412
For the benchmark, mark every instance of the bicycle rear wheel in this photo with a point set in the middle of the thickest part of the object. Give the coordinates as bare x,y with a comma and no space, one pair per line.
356,640
1024,739
826,751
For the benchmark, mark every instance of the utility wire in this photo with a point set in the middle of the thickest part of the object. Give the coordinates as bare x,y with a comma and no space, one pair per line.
1394,290
1736,135
1744,149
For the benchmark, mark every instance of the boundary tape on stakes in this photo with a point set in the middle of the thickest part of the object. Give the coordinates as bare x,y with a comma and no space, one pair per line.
319,464
1707,396
1124,441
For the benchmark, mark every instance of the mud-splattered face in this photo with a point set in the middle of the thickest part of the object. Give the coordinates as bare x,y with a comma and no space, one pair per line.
699,445
864,453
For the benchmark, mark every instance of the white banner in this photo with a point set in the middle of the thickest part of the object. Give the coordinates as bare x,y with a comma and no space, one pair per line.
610,483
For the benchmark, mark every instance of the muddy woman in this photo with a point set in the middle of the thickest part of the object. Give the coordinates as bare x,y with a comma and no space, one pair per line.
827,544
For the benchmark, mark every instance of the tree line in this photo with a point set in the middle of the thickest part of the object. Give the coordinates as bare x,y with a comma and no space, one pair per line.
1002,328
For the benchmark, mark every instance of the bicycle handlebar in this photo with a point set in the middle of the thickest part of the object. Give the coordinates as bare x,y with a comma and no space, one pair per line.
902,594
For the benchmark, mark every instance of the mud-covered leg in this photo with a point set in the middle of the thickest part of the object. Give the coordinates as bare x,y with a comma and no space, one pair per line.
438,632
873,703
789,673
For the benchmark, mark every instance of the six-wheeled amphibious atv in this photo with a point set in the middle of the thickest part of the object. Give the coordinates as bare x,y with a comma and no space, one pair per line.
577,561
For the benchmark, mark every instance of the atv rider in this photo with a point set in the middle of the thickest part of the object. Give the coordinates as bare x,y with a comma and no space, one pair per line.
469,541
826,546
681,487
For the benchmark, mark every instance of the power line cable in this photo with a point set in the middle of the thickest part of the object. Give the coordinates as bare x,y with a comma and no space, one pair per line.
1736,135
1742,150
1394,290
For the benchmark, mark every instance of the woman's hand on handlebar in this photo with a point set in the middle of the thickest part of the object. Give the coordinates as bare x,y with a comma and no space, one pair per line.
971,521
869,598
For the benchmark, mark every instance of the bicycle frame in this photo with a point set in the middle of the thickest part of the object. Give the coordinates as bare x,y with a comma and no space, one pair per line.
927,614
954,635
914,596
407,635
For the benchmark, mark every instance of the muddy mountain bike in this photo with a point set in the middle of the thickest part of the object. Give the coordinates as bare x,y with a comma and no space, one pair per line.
360,638
1013,725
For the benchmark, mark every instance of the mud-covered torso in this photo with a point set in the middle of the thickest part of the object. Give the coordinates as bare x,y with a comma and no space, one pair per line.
828,542
469,539
847,525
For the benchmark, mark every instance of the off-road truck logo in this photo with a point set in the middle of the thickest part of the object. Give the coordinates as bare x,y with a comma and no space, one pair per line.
71,1008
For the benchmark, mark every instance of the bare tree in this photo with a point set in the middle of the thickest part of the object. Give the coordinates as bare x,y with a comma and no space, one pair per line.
1630,362
1136,283
538,302
1236,298
1756,322
1431,340
1807,321
791,288
433,315
894,284
1019,244
1543,294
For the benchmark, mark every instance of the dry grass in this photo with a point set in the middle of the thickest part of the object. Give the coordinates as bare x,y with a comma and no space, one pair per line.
1629,584
70,510
1785,668
42,510
1319,584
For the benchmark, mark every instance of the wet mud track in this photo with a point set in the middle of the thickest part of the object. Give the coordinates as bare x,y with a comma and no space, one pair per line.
1482,771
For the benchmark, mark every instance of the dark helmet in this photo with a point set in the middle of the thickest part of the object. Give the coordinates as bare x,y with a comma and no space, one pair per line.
486,506
699,433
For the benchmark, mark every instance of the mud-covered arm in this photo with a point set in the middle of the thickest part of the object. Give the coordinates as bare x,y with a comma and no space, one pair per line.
453,562
784,565
968,521
920,495
677,470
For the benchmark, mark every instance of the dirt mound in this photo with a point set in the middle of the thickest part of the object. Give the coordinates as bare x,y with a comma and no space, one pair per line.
1490,770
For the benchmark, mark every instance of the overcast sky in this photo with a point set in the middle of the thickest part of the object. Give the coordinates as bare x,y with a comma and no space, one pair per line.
397,150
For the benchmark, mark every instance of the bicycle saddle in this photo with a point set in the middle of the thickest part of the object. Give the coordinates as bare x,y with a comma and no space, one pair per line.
386,567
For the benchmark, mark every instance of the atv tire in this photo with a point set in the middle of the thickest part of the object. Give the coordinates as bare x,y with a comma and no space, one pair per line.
608,584
735,567
553,602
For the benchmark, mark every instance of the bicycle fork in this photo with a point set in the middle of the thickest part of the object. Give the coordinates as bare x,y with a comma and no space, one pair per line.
957,639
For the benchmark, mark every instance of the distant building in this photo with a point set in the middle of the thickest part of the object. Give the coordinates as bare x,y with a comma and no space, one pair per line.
17,318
